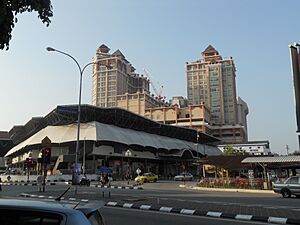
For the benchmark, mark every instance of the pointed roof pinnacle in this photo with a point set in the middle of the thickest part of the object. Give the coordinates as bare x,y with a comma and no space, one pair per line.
118,53
104,48
209,49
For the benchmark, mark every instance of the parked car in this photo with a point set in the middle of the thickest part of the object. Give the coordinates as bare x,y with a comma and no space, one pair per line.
23,211
184,177
289,187
146,177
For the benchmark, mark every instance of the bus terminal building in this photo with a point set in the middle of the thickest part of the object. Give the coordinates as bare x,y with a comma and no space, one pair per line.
106,134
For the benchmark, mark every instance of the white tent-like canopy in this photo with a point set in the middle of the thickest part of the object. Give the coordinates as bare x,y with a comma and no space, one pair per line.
96,131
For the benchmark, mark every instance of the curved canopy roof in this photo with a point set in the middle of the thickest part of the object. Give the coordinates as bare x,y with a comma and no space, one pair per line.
63,115
95,131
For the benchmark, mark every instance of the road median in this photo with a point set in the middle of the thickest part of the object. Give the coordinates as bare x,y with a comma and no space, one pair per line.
228,189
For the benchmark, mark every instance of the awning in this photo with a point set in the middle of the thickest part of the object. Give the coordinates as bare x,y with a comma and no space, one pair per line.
95,131
274,159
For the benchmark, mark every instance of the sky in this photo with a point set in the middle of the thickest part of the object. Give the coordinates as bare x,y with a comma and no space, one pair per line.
160,36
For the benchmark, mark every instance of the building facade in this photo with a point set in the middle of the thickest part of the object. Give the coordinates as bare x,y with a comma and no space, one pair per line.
234,133
211,107
212,80
179,101
113,75
193,116
242,112
5,144
138,102
250,148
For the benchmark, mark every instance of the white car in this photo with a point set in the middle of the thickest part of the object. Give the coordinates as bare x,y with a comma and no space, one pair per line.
184,177
291,186
23,211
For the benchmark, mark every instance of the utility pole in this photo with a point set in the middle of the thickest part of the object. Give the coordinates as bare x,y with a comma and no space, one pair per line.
287,149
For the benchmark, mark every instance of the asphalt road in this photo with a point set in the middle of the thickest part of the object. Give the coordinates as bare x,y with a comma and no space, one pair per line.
169,194
117,216
164,192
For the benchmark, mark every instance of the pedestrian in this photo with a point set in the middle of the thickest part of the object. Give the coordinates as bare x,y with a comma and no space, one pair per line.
127,177
0,184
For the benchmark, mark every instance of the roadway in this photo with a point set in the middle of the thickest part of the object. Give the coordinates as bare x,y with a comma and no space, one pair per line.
117,216
170,195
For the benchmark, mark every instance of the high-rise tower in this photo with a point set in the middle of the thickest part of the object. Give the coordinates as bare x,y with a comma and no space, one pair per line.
212,80
113,75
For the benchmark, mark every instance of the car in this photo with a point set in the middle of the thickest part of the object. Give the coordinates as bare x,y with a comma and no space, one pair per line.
184,177
146,177
289,187
45,212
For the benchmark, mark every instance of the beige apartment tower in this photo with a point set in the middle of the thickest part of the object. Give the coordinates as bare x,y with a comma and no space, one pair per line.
113,75
211,80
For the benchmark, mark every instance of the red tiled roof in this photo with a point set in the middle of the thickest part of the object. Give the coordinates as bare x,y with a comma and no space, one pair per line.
226,162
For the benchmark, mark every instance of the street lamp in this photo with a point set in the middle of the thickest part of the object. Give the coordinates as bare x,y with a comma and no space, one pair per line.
202,155
128,154
81,70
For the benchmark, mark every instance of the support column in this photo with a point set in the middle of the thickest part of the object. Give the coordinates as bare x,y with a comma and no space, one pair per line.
122,163
145,166
94,163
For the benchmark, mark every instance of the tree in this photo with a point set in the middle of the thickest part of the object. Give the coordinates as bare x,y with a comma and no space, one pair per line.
9,9
229,150
295,153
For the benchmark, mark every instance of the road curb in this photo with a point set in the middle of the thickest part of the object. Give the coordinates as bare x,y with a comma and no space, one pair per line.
26,195
229,190
25,184
117,187
195,212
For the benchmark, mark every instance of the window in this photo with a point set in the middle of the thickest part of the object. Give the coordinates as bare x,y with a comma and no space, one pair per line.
18,217
293,180
95,218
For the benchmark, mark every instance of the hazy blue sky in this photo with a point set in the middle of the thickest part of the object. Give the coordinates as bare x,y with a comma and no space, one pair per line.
159,36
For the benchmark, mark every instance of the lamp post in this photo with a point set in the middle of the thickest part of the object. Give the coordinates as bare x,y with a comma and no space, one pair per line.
198,166
128,154
81,70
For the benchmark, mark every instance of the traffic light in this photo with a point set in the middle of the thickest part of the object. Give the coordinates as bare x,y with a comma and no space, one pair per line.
47,155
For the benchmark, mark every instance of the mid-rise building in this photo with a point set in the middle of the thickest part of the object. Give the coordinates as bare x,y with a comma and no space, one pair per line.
212,80
231,133
138,102
242,112
250,148
193,116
